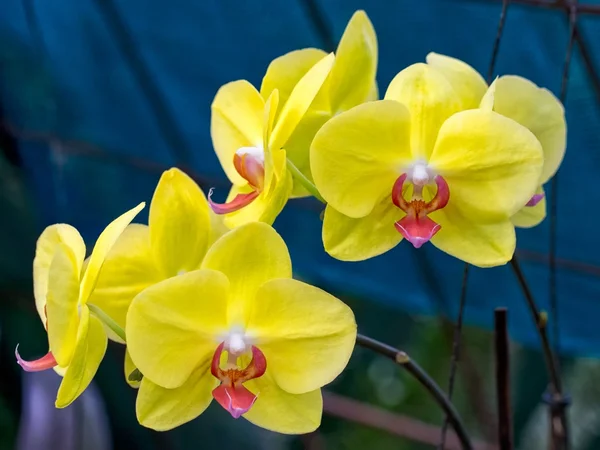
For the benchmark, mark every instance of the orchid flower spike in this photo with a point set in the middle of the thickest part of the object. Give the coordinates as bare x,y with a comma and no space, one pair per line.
419,166
62,288
242,331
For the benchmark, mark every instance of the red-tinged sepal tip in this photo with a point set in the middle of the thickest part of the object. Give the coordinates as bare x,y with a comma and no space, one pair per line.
44,363
236,204
417,230
535,200
236,399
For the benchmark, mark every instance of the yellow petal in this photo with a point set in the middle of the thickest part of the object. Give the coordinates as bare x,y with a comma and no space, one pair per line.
266,207
282,412
249,256
286,71
491,163
430,98
351,239
61,304
90,349
306,334
357,156
50,239
128,269
179,223
483,245
163,409
103,245
129,369
269,119
536,109
299,101
466,81
530,216
217,227
353,74
172,326
236,121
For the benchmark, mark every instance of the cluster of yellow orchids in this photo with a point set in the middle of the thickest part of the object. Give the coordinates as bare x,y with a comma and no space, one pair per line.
203,296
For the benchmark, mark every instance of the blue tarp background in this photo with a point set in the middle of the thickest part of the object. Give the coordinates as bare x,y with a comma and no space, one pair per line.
104,95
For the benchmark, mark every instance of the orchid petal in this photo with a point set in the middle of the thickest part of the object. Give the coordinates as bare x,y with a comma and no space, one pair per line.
238,202
466,81
61,304
89,352
530,216
282,412
491,164
101,249
128,269
430,99
299,101
351,239
50,239
306,334
173,325
236,122
179,223
249,256
164,409
353,74
236,400
538,110
355,156
286,71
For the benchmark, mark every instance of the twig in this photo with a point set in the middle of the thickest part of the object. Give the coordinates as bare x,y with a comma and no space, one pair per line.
496,47
403,360
505,429
456,348
304,181
558,422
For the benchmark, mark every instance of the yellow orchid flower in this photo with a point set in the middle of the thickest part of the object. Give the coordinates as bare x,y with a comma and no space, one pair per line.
535,108
416,160
62,290
350,83
249,135
242,331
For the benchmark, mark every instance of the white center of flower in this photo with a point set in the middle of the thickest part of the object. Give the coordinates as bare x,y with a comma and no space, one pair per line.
420,174
236,342
256,152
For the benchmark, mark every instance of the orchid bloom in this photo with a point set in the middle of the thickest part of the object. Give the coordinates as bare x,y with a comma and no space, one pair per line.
419,166
242,331
180,229
519,99
62,289
249,134
350,83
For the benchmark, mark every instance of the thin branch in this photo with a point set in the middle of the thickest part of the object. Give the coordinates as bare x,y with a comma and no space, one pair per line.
505,428
496,47
304,181
456,348
403,360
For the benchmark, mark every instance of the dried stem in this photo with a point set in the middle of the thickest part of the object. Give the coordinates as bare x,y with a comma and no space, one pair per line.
402,359
505,428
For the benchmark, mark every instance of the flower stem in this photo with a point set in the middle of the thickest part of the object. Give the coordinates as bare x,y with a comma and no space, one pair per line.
107,320
304,181
402,359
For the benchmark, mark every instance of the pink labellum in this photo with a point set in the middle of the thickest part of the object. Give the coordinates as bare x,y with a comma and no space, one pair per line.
236,204
44,363
416,227
535,200
236,400
231,394
250,168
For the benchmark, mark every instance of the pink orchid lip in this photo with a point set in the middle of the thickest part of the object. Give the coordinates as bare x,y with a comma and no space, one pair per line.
236,204
535,199
416,227
44,363
250,168
231,394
